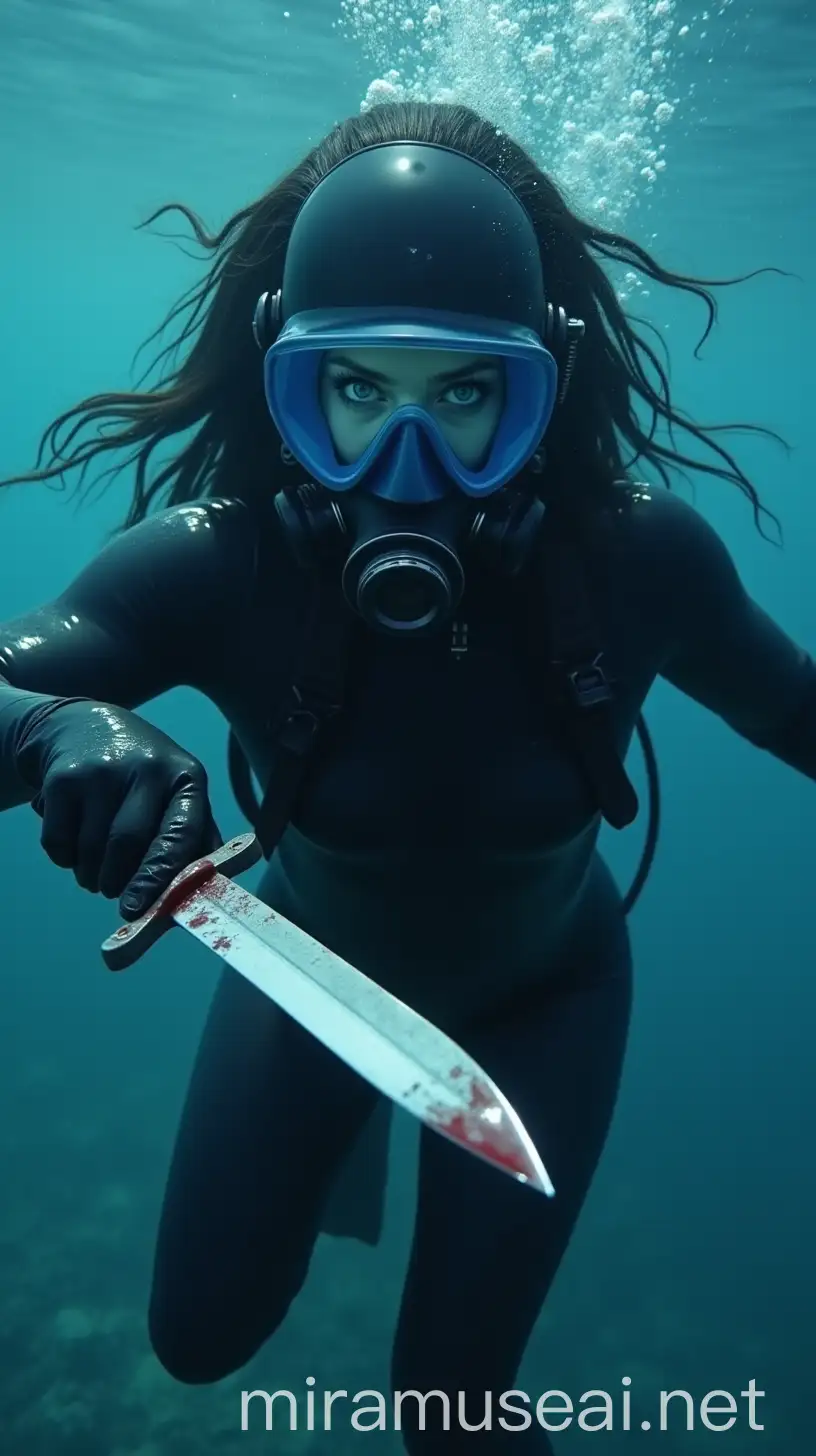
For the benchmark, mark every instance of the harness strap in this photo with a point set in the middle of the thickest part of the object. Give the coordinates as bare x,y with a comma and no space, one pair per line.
567,644
314,699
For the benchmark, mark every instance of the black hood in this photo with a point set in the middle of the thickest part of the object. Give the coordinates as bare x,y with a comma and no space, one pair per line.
409,224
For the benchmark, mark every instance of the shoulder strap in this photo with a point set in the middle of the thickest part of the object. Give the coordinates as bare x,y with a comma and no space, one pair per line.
314,699
565,633
566,645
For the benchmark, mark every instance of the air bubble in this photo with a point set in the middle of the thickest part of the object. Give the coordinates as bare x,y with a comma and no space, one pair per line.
588,87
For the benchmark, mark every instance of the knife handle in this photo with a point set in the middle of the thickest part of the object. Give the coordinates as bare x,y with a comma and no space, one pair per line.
127,944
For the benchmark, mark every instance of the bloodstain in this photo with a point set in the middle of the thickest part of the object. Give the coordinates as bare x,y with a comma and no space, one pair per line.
201,919
186,887
480,1097
222,943
216,891
496,1141
240,900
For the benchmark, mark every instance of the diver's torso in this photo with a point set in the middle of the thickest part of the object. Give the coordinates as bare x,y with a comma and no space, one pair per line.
445,829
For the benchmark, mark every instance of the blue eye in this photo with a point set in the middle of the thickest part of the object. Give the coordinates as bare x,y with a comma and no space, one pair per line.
478,395
357,392
348,385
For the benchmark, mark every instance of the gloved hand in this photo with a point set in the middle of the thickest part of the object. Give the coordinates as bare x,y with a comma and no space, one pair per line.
122,805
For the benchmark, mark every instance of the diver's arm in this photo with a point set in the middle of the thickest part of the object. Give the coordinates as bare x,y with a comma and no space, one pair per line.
725,651
140,619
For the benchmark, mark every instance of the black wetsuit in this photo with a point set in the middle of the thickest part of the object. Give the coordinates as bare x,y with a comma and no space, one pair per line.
446,845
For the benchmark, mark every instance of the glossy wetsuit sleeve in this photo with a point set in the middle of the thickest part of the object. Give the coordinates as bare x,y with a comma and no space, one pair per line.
726,652
141,618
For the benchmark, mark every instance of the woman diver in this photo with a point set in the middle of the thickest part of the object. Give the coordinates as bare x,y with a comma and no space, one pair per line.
430,442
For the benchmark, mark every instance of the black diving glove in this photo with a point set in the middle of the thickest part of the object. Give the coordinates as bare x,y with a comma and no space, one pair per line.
122,805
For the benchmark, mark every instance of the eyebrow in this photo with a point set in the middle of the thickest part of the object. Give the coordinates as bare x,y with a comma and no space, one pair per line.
465,370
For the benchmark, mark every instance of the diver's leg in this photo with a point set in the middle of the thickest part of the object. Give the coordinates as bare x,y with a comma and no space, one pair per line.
486,1249
268,1118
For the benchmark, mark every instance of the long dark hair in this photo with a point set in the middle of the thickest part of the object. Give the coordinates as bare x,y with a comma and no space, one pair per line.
619,402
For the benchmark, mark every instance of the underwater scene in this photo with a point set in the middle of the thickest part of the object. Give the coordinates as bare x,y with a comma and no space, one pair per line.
690,130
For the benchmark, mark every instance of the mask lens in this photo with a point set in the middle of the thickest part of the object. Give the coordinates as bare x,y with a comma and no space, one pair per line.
291,375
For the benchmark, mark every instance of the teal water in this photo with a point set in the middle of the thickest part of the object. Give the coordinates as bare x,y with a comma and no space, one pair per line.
693,1265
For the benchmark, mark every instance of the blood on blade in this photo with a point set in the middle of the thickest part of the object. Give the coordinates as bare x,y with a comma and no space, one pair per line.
475,1131
186,886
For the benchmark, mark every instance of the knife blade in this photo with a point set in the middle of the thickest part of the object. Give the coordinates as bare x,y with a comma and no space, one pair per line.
395,1049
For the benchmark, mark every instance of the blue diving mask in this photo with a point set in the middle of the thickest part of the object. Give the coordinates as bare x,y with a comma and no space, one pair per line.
409,461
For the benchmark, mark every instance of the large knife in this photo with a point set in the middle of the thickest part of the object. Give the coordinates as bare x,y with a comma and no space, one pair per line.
392,1047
